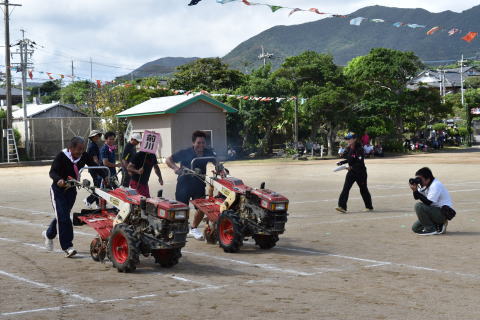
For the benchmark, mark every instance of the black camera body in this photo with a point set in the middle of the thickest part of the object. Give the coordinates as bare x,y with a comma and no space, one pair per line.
415,180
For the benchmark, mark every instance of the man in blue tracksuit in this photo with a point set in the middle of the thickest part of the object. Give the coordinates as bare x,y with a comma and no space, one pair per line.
65,166
188,186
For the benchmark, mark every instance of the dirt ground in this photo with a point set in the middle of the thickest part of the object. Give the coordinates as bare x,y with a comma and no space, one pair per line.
326,266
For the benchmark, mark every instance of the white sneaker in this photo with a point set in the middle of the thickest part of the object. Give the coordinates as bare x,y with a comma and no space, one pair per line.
87,204
194,232
48,242
70,252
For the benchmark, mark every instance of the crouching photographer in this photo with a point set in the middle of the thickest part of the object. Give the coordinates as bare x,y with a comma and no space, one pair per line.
435,206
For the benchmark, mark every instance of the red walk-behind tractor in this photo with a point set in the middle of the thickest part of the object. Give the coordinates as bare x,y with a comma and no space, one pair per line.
129,224
234,211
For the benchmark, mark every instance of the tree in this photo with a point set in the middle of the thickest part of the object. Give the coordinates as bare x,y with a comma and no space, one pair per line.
316,77
206,74
78,93
49,91
381,79
257,121
110,101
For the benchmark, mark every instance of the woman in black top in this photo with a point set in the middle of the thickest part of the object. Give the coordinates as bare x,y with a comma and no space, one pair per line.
67,164
357,172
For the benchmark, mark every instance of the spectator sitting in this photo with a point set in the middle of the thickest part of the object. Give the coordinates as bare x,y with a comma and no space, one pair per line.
378,150
232,154
341,151
365,139
368,148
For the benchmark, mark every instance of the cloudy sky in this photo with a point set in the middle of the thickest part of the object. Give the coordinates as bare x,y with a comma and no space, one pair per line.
120,35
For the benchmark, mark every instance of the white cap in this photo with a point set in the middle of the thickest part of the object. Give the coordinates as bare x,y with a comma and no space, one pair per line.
137,136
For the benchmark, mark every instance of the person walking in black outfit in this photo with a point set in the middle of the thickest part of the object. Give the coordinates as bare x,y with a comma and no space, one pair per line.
66,164
357,172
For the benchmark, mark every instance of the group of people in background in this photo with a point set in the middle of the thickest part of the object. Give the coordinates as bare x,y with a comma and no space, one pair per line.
368,149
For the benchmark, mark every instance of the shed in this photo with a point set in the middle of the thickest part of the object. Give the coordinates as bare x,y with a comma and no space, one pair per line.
177,117
49,110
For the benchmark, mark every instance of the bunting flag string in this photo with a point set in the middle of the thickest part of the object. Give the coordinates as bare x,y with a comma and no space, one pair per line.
357,21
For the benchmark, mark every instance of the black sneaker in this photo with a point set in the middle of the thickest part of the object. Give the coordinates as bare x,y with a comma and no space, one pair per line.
442,228
428,232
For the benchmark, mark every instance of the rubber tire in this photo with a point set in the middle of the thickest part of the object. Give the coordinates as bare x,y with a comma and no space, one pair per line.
96,251
167,258
232,219
265,241
132,244
210,235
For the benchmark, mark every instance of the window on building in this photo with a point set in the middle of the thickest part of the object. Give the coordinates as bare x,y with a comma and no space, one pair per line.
209,138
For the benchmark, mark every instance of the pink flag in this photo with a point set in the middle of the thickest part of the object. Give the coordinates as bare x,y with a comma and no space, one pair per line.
433,30
150,142
453,31
316,11
294,10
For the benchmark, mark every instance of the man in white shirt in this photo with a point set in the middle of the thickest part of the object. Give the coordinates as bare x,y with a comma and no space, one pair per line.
433,196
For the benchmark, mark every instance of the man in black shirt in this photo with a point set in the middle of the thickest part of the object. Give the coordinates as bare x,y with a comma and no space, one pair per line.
65,166
140,169
94,151
188,186
357,172
128,155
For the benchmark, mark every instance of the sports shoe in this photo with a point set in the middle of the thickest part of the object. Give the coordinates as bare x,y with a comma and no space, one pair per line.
194,232
48,242
428,232
341,210
87,204
442,228
368,210
70,252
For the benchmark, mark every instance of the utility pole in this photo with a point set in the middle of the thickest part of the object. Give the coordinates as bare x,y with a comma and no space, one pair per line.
91,88
25,51
8,73
467,110
296,124
73,73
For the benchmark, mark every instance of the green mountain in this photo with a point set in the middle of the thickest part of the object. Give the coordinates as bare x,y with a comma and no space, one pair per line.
344,41
157,68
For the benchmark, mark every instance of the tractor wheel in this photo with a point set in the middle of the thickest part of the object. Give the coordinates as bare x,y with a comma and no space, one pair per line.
167,258
265,241
230,231
210,235
123,248
97,250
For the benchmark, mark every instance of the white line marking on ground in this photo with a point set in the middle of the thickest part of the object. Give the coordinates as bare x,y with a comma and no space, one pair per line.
27,210
246,263
16,313
409,266
39,225
46,286
409,194
191,281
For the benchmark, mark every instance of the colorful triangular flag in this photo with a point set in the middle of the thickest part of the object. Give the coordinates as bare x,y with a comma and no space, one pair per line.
470,36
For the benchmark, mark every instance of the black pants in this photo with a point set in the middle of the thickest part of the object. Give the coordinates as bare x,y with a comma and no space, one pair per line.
184,193
361,179
62,201
126,177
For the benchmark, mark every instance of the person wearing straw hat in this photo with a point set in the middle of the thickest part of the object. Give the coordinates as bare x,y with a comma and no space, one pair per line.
128,155
94,151
140,168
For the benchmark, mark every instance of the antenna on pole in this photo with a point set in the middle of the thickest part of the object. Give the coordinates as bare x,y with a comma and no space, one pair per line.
264,56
